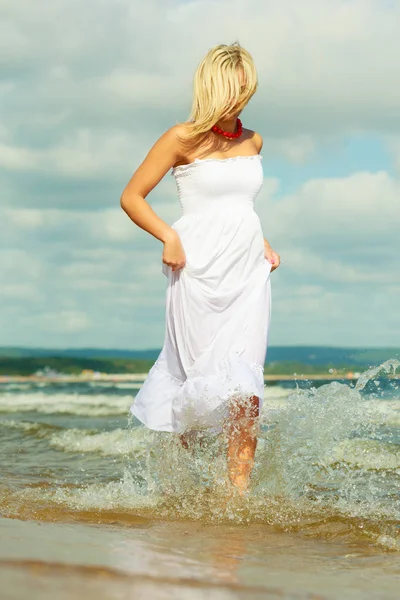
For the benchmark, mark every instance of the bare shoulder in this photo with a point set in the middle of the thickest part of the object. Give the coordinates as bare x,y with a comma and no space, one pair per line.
175,138
169,144
161,157
258,141
177,131
173,135
181,130
256,138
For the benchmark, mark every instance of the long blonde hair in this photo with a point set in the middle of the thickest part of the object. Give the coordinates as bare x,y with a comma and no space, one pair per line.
217,90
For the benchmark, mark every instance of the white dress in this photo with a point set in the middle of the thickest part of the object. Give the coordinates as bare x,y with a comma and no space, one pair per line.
218,306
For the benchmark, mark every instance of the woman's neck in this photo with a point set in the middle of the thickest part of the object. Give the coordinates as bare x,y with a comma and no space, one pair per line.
228,124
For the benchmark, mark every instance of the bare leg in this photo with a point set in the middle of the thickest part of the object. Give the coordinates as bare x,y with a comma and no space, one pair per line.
242,442
189,438
184,441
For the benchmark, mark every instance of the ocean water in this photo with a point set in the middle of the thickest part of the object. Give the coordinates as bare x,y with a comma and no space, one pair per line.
93,504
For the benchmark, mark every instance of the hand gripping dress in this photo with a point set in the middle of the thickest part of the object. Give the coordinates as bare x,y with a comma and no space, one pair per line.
218,306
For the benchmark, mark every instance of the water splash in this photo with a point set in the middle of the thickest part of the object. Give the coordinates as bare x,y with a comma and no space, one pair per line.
387,367
327,462
326,452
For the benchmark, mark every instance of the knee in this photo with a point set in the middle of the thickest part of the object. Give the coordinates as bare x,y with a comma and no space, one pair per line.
254,407
246,412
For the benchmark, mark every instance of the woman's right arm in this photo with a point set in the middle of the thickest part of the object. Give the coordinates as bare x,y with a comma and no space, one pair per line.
160,159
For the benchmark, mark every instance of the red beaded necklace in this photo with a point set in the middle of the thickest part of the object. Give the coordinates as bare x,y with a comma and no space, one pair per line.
229,134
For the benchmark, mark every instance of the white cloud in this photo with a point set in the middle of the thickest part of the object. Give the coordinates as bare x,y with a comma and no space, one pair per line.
84,154
297,149
65,321
392,142
351,218
340,273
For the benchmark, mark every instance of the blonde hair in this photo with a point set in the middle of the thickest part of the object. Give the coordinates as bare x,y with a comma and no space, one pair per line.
217,91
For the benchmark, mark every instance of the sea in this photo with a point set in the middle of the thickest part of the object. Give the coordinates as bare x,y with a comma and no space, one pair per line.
95,506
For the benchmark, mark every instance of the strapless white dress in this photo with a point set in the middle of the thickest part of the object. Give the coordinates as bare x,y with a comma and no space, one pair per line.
218,307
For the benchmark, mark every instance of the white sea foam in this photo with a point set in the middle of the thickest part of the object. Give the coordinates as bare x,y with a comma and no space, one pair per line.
276,391
368,454
100,404
123,495
122,385
361,453
20,425
129,385
74,404
107,443
16,386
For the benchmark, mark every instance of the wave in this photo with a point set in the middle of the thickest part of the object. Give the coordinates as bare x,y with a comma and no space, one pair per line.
122,385
38,429
368,455
108,443
364,454
358,453
96,405
63,403
347,519
16,386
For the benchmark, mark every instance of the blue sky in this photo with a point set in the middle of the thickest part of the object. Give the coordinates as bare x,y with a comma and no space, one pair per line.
86,89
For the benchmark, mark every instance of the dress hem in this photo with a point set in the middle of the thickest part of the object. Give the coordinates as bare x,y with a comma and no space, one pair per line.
200,402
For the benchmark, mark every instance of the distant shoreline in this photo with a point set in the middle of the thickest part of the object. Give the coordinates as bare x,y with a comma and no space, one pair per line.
135,377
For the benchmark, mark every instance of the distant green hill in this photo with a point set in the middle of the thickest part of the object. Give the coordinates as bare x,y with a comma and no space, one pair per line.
280,359
70,365
19,352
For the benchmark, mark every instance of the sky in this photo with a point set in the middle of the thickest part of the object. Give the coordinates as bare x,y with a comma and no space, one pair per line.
86,88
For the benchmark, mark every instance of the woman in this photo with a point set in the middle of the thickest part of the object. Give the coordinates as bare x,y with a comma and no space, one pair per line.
209,374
